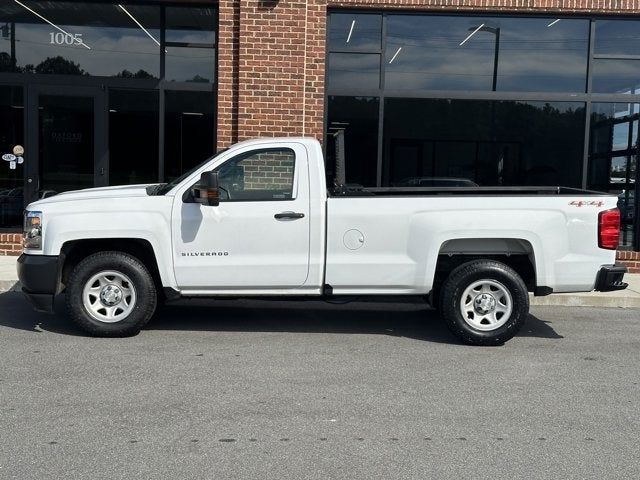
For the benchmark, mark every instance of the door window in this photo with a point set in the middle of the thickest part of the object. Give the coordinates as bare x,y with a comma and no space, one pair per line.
66,128
258,175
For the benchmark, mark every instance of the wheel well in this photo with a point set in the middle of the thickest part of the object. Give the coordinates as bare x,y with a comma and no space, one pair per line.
516,253
75,251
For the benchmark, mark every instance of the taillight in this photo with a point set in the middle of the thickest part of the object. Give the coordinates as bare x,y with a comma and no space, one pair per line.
609,229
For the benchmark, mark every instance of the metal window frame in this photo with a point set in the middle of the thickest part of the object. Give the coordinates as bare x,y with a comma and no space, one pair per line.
587,96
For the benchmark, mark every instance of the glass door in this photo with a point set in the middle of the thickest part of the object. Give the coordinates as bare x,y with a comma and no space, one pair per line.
68,140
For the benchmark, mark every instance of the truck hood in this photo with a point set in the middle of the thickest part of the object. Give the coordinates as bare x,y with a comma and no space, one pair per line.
94,193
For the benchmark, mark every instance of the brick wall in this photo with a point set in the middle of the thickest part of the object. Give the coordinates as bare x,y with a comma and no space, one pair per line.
10,243
630,259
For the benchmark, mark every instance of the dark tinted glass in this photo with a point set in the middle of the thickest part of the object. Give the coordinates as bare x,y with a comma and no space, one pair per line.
358,116
616,76
66,134
613,157
444,53
356,32
424,52
189,131
190,25
543,55
11,134
133,136
354,70
88,38
620,37
190,64
487,143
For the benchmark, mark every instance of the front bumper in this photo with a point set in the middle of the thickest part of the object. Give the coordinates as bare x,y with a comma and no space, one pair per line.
39,276
610,278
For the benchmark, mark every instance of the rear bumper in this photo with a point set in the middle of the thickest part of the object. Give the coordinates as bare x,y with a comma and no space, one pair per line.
39,275
610,278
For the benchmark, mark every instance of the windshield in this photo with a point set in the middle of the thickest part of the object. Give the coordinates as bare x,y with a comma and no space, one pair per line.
164,188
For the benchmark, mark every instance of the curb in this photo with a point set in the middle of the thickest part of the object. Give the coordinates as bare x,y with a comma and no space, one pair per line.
9,286
586,300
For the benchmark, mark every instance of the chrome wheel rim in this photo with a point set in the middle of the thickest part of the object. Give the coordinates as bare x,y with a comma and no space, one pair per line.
109,296
486,305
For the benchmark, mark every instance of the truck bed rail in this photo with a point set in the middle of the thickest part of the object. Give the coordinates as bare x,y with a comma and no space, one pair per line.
357,191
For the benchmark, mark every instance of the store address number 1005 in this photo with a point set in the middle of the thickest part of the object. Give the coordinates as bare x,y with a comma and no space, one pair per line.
59,38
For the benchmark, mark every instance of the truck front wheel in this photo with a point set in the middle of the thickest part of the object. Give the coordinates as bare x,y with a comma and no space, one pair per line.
484,302
110,294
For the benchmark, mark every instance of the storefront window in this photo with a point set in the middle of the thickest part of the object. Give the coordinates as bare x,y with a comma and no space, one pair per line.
482,142
460,53
133,136
66,131
190,40
355,32
616,66
81,39
11,134
613,159
354,70
191,25
94,73
190,64
358,118
189,131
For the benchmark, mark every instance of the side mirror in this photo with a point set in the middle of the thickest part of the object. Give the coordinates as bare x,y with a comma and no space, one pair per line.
206,191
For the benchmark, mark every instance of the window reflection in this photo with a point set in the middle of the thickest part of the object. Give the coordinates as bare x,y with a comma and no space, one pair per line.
613,156
458,53
85,39
133,136
355,32
358,117
484,142
190,64
190,25
617,37
354,70
189,131
616,76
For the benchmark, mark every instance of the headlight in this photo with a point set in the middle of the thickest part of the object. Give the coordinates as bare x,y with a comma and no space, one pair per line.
32,235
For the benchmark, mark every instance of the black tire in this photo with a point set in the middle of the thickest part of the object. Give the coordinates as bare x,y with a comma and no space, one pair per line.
145,293
464,277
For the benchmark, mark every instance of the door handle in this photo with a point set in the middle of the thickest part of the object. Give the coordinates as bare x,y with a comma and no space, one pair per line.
291,215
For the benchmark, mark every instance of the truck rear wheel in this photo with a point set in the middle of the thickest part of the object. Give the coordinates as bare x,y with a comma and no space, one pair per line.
110,294
484,302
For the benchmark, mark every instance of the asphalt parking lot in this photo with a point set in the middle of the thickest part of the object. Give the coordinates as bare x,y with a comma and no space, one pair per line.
254,389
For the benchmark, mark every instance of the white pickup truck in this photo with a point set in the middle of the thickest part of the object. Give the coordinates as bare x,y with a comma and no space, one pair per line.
258,220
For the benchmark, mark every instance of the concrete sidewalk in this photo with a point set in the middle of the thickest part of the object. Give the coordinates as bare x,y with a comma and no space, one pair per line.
629,298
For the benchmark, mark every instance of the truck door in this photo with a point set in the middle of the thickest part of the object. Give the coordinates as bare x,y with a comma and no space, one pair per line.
257,238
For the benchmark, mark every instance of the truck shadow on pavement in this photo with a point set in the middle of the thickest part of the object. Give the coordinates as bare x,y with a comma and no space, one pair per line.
410,320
